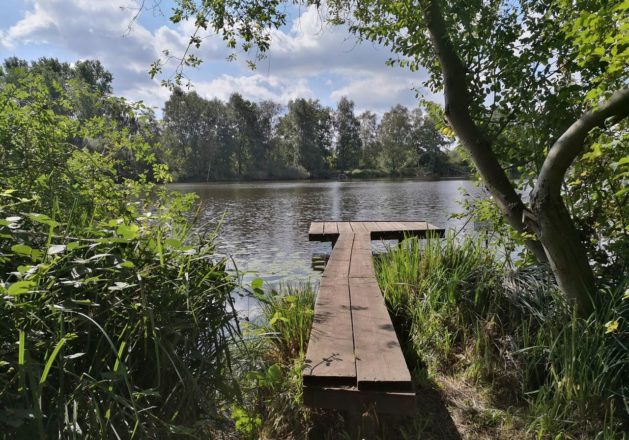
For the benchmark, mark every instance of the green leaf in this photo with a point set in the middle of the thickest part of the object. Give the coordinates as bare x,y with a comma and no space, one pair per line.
43,219
172,243
51,359
257,283
74,245
22,249
274,373
128,232
21,287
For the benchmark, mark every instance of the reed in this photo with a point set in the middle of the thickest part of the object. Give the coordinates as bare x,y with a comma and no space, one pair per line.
458,311
118,331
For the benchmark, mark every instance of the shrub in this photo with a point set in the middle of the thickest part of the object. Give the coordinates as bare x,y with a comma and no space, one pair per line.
459,311
115,317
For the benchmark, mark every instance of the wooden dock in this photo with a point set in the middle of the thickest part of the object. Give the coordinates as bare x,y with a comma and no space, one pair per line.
354,359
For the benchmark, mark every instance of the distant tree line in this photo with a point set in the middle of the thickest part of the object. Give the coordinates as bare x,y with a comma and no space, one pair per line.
208,139
211,140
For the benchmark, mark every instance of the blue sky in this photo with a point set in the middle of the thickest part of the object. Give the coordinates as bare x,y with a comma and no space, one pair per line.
307,58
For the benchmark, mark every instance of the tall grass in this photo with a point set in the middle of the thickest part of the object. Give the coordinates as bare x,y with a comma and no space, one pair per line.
270,368
121,333
459,311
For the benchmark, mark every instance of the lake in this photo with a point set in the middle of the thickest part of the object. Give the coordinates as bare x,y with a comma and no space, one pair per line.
265,226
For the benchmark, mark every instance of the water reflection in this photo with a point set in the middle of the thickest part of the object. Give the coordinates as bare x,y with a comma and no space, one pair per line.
265,230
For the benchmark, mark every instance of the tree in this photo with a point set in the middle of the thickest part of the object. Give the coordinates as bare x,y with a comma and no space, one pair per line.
249,145
427,143
502,66
348,142
194,135
369,139
305,133
394,134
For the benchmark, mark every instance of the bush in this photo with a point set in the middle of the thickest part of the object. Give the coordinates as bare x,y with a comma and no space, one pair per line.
459,311
367,173
115,318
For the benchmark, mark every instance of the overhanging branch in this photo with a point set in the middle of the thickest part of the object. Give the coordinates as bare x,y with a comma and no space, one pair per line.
570,144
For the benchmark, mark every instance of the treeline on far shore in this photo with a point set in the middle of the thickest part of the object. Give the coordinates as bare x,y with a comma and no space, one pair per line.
205,140
208,139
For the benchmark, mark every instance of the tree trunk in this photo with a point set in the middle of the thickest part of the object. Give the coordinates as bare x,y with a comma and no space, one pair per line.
457,112
551,219
559,242
568,260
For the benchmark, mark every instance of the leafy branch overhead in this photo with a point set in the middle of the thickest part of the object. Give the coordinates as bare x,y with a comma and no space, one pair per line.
516,76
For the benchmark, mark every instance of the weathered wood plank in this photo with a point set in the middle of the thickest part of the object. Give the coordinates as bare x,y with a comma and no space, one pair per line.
416,226
315,233
400,226
388,226
372,226
352,399
361,265
344,228
380,364
316,228
338,269
343,241
342,251
330,355
330,228
362,241
359,227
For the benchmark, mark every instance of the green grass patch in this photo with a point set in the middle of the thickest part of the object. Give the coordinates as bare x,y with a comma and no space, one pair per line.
459,312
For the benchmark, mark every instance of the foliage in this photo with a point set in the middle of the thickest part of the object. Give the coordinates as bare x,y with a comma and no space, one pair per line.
459,312
115,316
348,143
213,140
120,331
270,367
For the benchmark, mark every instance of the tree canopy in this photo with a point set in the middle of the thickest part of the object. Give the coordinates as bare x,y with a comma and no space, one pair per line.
528,85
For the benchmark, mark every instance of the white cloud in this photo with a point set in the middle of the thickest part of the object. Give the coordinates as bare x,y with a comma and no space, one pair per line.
311,59
371,91
255,87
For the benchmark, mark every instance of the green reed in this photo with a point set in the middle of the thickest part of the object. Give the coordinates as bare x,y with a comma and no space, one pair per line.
458,311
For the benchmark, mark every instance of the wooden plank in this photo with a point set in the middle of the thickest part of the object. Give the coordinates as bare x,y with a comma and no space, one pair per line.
336,269
358,227
387,226
344,241
351,399
400,226
361,265
362,241
341,252
372,226
316,228
330,228
380,364
344,228
330,355
416,226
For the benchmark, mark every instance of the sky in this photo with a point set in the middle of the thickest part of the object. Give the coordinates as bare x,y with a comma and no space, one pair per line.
308,58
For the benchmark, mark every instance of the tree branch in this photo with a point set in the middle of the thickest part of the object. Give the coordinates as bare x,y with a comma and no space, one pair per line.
570,143
457,111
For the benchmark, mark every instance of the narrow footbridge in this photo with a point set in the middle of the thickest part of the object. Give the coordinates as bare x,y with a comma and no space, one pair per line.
354,360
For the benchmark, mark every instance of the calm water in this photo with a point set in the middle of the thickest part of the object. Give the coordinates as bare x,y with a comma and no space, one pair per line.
265,228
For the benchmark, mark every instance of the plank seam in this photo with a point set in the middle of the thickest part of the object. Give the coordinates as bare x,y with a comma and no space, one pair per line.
351,310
